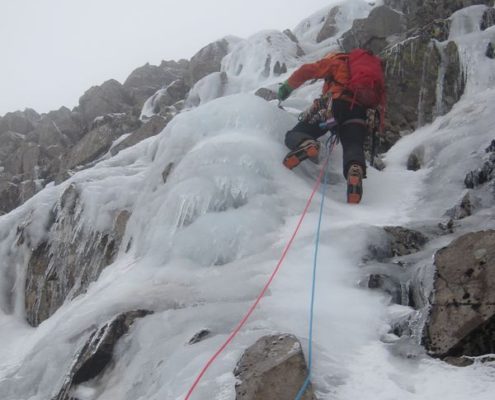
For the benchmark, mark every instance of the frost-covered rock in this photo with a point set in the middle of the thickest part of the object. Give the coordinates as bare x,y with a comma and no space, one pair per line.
462,318
421,12
373,32
330,27
485,173
272,369
69,259
97,353
144,81
397,241
423,80
464,209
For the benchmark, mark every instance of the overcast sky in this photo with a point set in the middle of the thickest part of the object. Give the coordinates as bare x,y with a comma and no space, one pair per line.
53,50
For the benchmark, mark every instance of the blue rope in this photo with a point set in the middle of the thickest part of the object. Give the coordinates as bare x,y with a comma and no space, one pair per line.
330,145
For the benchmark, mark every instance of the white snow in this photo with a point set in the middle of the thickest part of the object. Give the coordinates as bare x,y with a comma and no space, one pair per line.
203,244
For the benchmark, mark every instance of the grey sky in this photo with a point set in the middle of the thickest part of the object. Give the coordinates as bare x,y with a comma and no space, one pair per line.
53,50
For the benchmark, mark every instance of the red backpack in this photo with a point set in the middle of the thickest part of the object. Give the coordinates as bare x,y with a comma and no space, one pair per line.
367,83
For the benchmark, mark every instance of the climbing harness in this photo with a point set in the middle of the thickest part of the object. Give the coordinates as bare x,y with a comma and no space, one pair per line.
332,140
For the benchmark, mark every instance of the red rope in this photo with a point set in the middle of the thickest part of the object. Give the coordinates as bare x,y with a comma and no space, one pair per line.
265,288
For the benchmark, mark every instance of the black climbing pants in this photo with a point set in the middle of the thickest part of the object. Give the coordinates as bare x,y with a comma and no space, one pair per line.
352,133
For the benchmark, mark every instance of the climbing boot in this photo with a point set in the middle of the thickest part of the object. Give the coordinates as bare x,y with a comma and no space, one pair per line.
307,149
354,184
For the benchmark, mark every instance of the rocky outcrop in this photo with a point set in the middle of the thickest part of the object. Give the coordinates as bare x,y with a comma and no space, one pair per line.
96,354
144,81
21,122
167,102
71,257
422,12
330,27
151,128
272,369
110,97
207,60
415,69
373,32
98,141
462,318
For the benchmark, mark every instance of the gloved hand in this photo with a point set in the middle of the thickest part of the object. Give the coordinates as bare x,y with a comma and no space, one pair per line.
284,91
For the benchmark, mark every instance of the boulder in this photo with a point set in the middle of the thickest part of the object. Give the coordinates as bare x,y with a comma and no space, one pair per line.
372,33
110,97
144,81
207,60
462,317
330,27
97,353
272,369
59,268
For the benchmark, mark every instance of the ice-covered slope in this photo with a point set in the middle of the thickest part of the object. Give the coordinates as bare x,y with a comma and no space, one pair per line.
202,244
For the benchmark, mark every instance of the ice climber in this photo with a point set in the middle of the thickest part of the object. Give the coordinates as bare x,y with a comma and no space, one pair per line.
353,84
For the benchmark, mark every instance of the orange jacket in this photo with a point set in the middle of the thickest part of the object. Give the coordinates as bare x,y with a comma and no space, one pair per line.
333,68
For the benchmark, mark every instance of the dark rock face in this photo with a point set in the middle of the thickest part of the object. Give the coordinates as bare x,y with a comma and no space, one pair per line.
207,60
330,27
372,32
488,19
73,257
97,352
200,336
110,97
413,70
144,81
415,159
272,369
490,51
462,318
